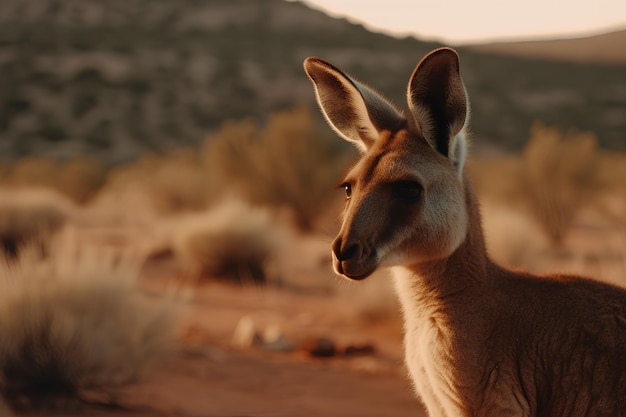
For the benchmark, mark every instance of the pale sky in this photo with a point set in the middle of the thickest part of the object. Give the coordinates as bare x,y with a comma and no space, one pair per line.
459,21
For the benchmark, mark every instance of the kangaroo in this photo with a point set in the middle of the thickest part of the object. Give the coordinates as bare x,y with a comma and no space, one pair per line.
480,340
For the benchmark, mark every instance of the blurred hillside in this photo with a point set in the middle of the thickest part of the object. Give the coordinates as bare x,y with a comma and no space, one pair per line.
117,78
606,48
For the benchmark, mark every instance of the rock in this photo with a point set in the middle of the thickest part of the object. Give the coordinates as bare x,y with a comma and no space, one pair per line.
274,340
246,334
320,347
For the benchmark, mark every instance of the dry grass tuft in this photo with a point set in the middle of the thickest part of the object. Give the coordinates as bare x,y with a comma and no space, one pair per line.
285,164
233,241
78,178
30,215
558,174
558,207
160,184
75,321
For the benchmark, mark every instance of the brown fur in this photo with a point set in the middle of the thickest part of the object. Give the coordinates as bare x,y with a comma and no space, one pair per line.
480,340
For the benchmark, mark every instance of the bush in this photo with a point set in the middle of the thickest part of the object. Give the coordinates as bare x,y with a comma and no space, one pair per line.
32,171
233,242
80,178
498,177
77,178
30,215
167,184
75,321
558,175
286,163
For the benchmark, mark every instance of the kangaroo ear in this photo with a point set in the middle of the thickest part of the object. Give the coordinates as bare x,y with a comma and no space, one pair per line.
354,111
438,103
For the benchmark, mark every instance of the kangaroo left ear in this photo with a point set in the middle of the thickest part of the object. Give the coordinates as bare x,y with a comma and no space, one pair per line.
438,103
356,112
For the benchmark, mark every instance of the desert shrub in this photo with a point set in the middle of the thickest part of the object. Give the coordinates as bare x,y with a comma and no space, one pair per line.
30,215
498,177
168,183
33,171
558,176
611,172
286,163
78,178
75,321
233,242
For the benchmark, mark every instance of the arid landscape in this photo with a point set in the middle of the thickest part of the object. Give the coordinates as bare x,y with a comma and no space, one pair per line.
177,263
167,293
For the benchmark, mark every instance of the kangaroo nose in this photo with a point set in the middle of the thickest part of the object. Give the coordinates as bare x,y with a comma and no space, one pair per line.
347,251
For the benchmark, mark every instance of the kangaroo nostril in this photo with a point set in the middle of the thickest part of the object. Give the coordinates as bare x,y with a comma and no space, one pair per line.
351,251
347,252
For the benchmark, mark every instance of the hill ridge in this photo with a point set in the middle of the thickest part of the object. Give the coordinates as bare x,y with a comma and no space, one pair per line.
118,78
605,48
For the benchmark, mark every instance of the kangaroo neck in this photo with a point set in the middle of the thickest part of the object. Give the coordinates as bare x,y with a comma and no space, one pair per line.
464,272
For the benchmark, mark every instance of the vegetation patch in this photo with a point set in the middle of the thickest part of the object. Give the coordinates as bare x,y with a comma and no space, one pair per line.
288,163
75,321
29,216
233,242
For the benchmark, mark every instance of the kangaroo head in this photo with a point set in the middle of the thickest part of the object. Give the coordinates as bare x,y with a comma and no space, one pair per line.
405,197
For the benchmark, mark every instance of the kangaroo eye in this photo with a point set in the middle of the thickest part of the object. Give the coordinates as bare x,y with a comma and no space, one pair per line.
407,190
348,190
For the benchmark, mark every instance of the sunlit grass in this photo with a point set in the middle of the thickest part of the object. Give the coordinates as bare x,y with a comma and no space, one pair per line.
76,320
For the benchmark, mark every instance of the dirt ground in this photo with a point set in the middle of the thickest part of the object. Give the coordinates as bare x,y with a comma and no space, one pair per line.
207,376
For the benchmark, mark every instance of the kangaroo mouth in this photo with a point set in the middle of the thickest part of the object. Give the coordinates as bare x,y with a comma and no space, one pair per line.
358,277
352,270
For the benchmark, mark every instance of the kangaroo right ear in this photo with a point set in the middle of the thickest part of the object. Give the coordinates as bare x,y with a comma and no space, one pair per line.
356,112
439,105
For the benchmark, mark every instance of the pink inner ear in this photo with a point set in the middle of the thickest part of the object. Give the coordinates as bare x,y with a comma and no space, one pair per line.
436,98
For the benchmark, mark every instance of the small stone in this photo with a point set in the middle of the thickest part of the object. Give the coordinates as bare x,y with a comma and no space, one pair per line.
274,340
320,347
246,334
272,333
